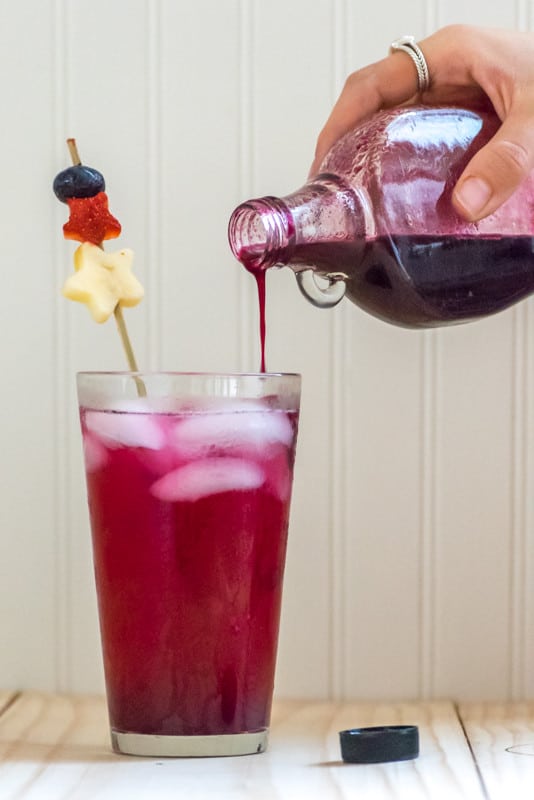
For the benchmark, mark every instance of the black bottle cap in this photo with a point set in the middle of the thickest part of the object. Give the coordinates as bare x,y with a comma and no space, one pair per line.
380,744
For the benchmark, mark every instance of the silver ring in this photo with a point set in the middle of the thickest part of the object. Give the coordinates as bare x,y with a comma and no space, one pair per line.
408,45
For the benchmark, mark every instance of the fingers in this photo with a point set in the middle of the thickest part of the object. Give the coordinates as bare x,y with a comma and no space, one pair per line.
496,171
387,83
466,64
393,81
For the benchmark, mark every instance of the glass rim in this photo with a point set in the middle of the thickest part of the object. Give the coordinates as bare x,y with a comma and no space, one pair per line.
185,373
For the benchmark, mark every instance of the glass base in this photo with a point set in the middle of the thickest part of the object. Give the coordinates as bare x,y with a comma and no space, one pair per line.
232,744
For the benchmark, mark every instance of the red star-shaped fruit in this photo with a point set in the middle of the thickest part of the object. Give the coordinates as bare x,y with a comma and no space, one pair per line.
90,220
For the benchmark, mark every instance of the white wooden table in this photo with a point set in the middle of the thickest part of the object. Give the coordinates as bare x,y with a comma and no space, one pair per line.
56,746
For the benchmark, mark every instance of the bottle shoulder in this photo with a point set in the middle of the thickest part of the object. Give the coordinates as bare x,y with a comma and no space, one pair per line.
410,130
407,162
415,138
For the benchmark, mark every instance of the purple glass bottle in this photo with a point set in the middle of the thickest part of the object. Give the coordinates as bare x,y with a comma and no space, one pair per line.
378,224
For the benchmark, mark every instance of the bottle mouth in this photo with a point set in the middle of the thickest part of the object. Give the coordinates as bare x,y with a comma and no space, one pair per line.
260,232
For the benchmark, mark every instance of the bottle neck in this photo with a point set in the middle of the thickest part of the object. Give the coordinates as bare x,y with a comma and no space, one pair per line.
262,233
299,229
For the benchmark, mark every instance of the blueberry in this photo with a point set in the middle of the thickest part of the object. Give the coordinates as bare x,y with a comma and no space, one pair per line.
78,181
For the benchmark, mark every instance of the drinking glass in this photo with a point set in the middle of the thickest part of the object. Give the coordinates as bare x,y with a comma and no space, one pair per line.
189,482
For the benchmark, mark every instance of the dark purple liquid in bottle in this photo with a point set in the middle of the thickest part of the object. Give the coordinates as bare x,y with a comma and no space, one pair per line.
420,281
426,281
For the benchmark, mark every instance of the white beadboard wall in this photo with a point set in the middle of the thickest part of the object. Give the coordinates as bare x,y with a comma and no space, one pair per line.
410,569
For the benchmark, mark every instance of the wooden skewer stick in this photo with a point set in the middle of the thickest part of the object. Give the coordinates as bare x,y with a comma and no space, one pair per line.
126,343
73,150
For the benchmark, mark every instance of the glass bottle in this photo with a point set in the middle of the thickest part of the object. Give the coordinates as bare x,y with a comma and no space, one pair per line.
377,224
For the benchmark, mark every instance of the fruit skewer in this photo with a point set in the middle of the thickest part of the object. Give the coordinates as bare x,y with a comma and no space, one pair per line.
102,281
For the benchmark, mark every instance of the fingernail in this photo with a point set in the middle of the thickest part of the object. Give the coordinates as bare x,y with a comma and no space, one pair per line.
473,195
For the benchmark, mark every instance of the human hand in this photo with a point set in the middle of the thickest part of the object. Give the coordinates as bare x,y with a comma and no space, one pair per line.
467,65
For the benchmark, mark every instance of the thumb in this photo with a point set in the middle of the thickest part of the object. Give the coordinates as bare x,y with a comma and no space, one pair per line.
496,171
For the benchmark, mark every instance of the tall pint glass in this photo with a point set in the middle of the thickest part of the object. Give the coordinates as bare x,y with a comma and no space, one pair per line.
189,482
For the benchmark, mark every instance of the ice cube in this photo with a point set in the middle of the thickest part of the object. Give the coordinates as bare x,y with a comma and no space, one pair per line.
125,430
247,432
95,454
206,477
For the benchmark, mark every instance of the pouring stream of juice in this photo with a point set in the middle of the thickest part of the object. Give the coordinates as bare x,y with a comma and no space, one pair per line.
259,276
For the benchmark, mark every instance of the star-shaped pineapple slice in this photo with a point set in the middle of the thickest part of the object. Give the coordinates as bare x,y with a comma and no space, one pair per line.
103,280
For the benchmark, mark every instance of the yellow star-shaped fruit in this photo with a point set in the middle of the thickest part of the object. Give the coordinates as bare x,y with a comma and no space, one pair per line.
103,280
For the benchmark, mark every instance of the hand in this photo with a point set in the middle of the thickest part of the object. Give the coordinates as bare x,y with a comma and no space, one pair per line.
475,66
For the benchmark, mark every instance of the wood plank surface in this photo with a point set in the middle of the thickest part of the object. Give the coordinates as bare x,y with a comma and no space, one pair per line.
502,739
6,698
58,747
